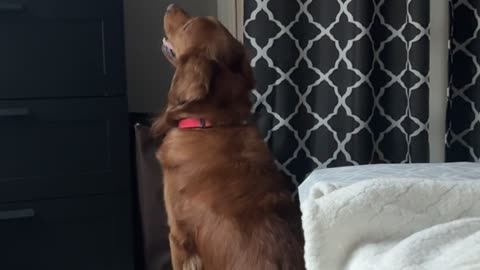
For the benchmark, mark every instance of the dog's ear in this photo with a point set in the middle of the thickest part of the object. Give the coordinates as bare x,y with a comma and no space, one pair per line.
159,127
236,58
192,80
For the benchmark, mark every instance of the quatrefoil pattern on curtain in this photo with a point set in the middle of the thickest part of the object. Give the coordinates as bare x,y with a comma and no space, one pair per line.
463,133
340,82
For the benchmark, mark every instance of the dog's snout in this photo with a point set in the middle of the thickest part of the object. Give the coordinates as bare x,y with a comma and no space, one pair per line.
170,7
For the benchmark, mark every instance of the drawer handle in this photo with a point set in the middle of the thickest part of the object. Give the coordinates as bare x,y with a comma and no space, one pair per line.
17,214
11,112
11,7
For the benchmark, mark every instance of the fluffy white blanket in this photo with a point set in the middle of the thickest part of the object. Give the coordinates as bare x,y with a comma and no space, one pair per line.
393,224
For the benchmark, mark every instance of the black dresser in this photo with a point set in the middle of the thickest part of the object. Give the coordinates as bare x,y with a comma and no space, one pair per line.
65,199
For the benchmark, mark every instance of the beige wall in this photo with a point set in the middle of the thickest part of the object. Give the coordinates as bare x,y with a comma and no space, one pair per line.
438,78
148,73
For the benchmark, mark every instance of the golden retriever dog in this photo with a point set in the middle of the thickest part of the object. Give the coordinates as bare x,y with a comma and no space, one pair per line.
228,206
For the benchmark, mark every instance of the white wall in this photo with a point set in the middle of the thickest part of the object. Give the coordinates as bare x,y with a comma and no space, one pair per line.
148,73
438,77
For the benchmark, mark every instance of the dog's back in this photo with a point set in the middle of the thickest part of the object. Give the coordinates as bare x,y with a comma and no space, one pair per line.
229,196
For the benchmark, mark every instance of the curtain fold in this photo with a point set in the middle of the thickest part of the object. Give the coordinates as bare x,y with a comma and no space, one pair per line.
340,82
463,120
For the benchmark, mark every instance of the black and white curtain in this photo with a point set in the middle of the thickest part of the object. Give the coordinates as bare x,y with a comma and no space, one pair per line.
340,82
463,126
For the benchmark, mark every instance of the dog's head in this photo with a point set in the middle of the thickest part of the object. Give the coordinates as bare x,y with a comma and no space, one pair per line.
207,59
203,38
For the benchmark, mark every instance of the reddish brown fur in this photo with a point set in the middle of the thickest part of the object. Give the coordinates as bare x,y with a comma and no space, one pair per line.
228,206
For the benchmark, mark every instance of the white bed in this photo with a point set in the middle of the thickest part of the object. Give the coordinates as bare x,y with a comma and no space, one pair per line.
403,216
348,175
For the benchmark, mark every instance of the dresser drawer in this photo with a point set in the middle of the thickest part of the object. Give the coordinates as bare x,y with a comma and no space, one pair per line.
52,148
61,48
92,233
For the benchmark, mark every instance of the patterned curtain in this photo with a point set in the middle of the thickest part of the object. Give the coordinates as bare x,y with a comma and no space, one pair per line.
340,82
463,123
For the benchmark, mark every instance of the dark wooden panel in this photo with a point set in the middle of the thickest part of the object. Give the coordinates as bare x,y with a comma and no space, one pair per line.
64,48
54,148
92,233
